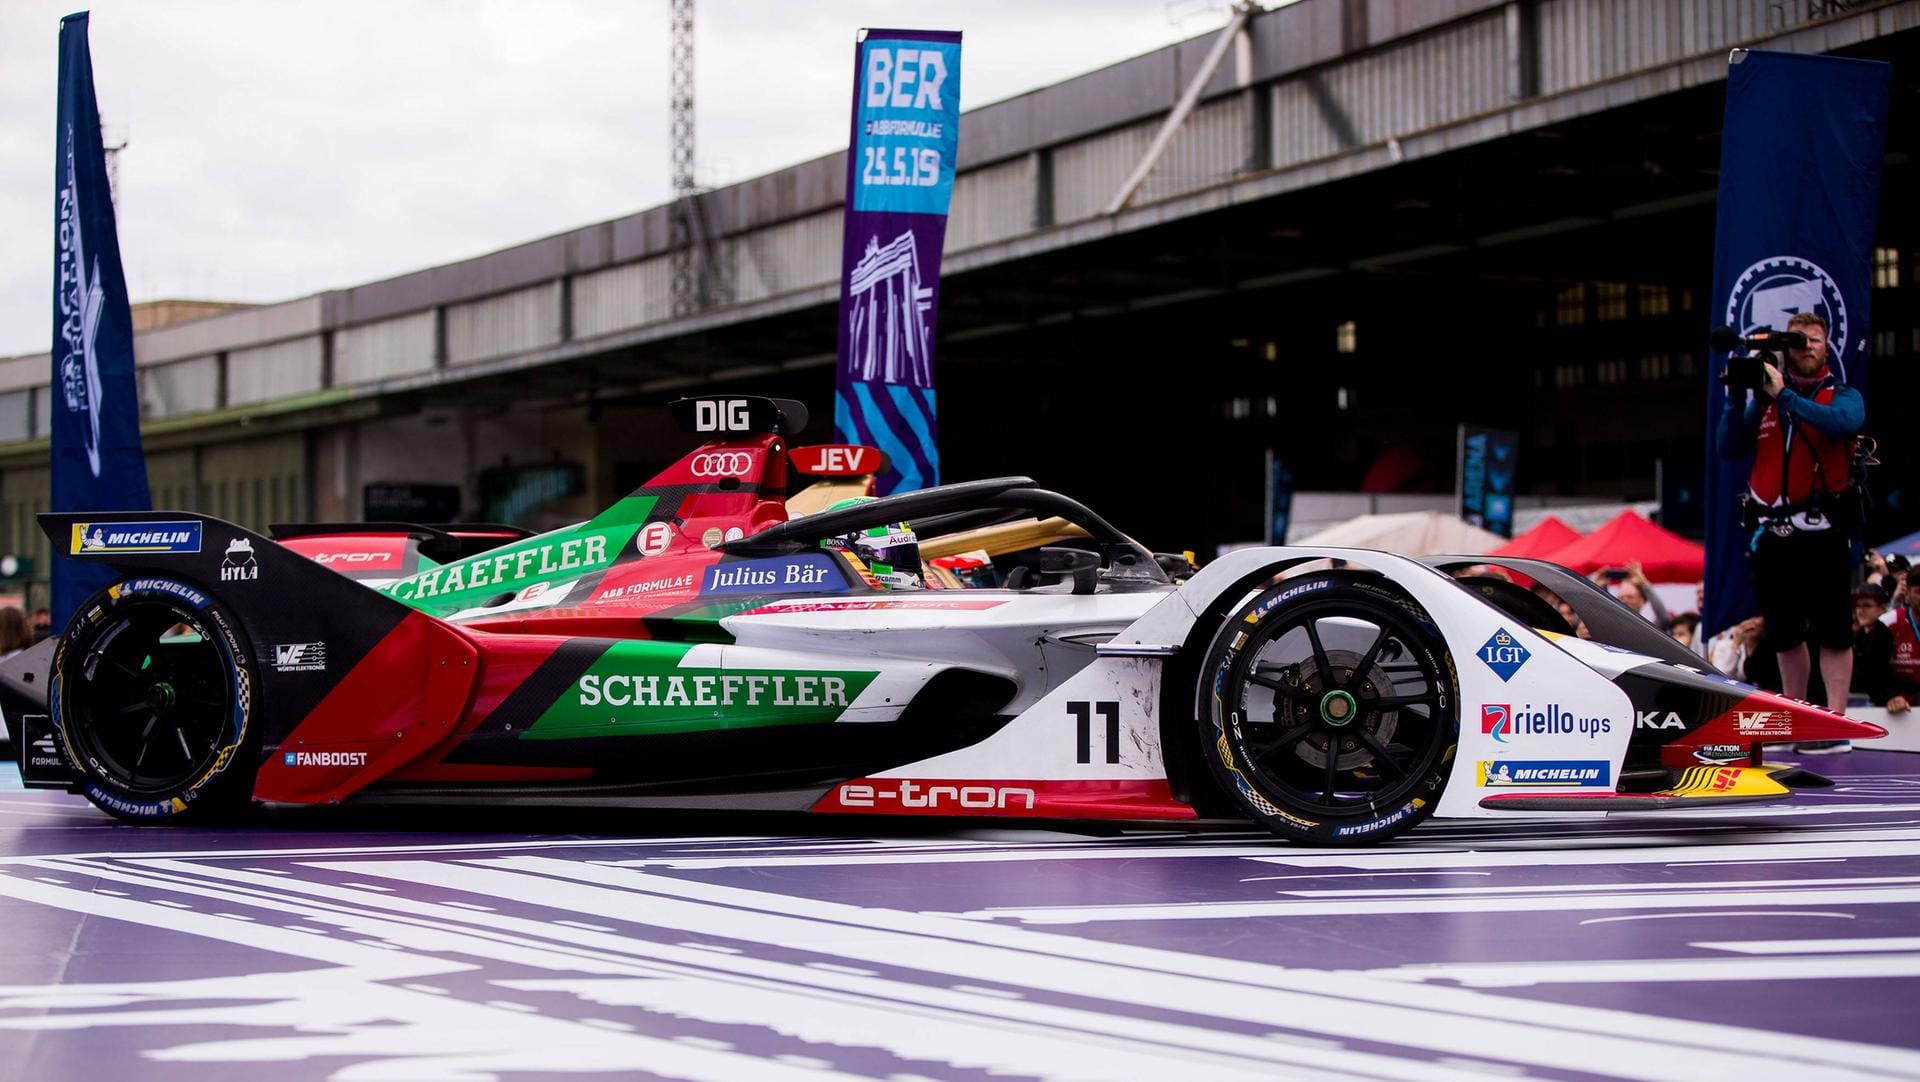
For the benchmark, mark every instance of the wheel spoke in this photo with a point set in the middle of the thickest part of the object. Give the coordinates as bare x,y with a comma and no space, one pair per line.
131,708
1286,739
1289,690
1366,662
1319,654
146,737
184,749
116,663
1382,755
1333,767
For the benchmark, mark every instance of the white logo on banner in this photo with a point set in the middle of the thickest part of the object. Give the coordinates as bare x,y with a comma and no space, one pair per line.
888,308
81,303
1774,290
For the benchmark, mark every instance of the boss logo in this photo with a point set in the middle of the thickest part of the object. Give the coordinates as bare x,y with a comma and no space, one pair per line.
722,464
711,415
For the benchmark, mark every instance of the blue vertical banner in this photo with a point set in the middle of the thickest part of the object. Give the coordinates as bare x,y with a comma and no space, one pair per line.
97,461
1485,463
1279,497
1800,160
900,158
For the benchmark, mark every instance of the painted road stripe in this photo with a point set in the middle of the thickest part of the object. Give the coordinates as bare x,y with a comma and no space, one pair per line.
1713,1052
1813,946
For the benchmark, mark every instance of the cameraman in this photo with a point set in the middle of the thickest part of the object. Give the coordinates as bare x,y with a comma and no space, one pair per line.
1799,426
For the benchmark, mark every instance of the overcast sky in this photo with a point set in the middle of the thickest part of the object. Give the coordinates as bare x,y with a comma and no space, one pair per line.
275,150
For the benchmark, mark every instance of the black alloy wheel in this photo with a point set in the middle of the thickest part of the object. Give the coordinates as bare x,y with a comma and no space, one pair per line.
1333,715
153,698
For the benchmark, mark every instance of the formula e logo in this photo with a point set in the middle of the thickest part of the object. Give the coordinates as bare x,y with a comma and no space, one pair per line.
722,464
1772,291
714,415
1504,655
654,538
1496,720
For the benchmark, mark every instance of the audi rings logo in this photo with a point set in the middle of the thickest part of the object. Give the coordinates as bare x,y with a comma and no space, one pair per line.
722,464
1770,292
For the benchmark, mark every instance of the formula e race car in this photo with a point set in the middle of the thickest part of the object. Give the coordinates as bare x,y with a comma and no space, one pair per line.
698,645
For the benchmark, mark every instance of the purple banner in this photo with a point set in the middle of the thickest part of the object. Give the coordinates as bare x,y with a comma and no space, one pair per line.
900,157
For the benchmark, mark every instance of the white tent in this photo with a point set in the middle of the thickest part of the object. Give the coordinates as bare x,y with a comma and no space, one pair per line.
1408,533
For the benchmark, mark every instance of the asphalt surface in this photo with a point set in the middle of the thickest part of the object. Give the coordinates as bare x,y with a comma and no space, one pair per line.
1749,943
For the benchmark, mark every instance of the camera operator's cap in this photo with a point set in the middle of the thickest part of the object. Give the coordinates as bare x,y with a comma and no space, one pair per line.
1897,562
1874,590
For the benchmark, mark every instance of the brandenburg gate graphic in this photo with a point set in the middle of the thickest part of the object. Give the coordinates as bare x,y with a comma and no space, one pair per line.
888,307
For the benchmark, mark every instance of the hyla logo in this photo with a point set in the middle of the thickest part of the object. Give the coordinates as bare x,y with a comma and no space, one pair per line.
1504,655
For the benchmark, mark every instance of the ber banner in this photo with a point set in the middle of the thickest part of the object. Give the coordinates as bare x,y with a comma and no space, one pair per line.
900,158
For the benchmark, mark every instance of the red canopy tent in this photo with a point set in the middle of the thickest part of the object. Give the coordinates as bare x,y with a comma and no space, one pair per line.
1664,556
1547,535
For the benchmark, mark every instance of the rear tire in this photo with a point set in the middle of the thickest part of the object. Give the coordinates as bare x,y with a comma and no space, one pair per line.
152,692
1330,710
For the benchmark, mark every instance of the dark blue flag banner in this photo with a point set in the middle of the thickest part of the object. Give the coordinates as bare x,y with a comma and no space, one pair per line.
1800,162
97,461
1486,460
900,158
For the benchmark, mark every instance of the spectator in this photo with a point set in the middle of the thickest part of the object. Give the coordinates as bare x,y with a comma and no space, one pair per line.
15,635
1636,593
1729,650
42,623
1799,427
1872,644
1895,582
1903,683
1684,627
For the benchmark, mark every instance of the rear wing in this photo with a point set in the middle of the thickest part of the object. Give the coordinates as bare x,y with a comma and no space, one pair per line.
378,552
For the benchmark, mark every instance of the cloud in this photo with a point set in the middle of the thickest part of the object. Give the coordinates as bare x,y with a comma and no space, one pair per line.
278,150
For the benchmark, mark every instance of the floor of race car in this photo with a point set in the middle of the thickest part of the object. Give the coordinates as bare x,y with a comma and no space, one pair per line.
1746,943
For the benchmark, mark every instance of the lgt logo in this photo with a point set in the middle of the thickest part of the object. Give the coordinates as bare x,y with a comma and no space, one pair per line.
1504,654
713,415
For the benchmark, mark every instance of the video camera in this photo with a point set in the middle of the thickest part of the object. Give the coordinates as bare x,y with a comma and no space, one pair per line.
1745,370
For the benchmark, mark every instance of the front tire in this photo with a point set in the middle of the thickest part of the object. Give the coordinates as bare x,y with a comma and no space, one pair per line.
152,692
1330,710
